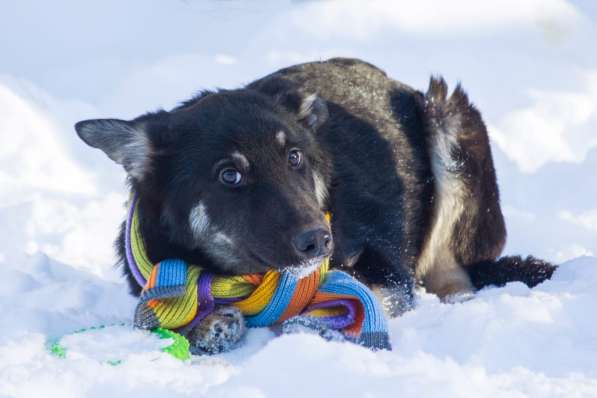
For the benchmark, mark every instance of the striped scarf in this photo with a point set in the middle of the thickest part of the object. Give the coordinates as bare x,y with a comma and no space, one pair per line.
177,295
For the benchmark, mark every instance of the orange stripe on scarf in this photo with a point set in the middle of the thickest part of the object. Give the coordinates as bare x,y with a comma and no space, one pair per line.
304,292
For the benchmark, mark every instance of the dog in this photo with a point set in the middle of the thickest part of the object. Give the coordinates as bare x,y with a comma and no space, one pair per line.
239,181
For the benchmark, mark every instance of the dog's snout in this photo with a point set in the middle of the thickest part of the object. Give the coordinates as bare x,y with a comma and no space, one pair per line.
313,243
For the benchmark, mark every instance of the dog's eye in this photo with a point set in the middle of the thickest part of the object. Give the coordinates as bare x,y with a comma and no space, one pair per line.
295,158
230,176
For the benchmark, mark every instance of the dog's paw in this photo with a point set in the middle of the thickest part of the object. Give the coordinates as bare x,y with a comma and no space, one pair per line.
310,325
218,332
395,300
460,297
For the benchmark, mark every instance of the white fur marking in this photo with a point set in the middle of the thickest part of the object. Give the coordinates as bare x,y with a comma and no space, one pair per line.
281,138
220,247
222,238
307,105
450,193
139,155
199,220
242,159
321,191
135,153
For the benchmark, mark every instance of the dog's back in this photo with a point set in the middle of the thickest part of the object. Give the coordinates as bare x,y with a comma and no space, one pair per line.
414,189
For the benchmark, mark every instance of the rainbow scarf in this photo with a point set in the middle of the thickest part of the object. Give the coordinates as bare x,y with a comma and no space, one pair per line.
177,295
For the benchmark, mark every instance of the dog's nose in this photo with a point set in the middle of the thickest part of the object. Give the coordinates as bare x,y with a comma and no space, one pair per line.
313,243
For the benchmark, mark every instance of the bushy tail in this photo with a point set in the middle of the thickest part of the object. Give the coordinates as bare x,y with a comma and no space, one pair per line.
530,271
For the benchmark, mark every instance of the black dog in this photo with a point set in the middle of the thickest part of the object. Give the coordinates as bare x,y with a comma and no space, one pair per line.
238,181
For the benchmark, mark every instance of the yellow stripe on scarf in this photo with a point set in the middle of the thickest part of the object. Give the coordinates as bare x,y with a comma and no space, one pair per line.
261,296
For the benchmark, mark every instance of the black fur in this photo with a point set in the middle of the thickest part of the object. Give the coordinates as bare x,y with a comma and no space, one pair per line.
531,271
368,139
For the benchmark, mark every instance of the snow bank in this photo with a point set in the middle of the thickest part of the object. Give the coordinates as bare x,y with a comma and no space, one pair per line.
510,341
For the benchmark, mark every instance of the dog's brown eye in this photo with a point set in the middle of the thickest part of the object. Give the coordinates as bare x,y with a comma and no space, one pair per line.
295,158
230,176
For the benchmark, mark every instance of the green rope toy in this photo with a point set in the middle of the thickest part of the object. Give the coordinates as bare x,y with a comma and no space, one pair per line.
179,348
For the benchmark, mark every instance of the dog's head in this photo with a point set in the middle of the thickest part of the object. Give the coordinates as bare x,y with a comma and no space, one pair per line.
236,175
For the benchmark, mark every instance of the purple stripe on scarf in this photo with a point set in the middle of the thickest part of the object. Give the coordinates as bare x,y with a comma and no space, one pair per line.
204,299
130,259
229,300
336,321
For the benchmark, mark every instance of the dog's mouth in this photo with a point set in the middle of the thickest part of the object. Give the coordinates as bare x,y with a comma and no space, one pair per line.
304,268
300,269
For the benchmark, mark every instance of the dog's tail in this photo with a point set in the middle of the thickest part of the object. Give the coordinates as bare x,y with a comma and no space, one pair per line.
530,271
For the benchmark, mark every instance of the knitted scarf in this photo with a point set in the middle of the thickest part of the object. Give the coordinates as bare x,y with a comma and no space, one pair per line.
177,295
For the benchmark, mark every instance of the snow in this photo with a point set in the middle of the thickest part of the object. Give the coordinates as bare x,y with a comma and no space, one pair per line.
527,68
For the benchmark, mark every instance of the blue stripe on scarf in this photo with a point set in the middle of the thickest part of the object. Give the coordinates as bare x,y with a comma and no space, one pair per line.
172,272
277,305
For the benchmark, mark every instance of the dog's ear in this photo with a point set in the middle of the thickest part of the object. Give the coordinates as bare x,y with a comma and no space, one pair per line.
310,109
127,143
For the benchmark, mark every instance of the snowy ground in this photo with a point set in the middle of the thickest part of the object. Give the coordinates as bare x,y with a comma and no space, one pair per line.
507,342
528,67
